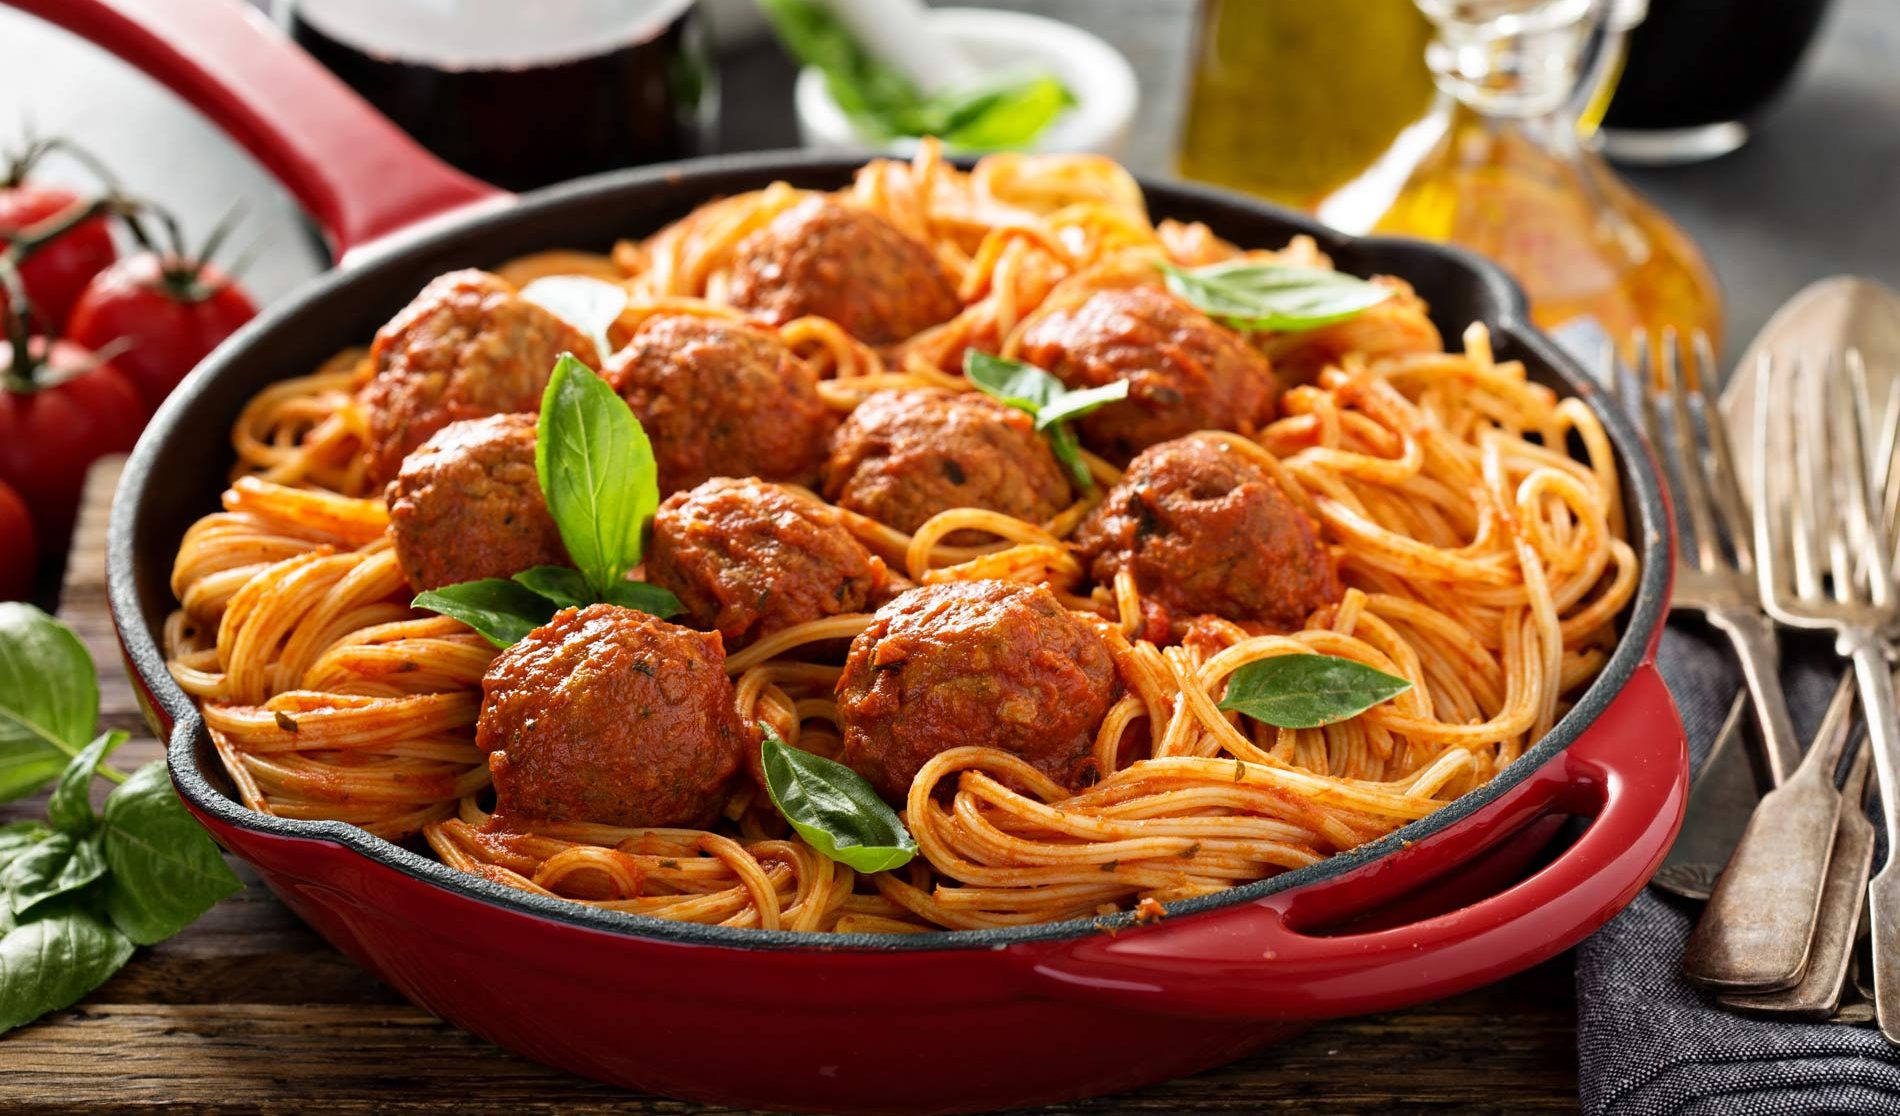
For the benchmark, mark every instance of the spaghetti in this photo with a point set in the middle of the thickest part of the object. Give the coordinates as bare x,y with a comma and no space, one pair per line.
1482,561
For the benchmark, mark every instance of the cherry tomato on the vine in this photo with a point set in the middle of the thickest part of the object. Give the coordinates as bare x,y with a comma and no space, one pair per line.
158,317
61,409
18,554
57,271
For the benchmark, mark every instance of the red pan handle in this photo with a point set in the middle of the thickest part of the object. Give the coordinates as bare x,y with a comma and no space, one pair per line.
360,176
1628,769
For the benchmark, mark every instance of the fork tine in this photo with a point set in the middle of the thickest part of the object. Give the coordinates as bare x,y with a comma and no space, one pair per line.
1772,528
1726,481
1695,477
1804,440
1873,554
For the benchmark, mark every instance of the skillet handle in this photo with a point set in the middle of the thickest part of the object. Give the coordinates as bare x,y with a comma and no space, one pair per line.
360,176
1629,769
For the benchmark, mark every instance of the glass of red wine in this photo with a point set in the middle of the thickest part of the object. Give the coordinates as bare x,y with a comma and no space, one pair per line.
525,93
1698,70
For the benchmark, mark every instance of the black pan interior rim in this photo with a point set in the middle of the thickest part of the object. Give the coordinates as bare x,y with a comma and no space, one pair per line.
1497,299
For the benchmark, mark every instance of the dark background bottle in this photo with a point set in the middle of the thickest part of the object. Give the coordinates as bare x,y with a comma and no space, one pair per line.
525,93
1699,62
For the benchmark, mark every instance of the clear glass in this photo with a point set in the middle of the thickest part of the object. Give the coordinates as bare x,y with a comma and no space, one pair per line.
1511,175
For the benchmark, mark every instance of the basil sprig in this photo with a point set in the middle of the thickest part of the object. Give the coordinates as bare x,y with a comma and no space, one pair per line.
1307,691
80,890
1282,298
589,305
602,487
833,808
1046,399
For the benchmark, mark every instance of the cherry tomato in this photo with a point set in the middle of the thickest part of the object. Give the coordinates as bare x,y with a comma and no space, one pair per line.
18,555
57,271
61,409
158,318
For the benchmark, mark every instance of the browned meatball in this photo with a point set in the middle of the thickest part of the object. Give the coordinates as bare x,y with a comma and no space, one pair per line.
721,399
467,347
904,456
846,264
467,505
748,558
984,663
1185,371
1204,530
605,714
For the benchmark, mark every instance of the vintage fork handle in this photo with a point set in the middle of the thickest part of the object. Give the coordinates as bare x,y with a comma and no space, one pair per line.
1753,636
1883,895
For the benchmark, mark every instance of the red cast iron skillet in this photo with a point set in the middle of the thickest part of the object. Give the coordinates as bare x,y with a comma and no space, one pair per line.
876,1023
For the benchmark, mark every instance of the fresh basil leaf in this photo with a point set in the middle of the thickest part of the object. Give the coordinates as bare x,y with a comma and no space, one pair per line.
166,870
647,598
589,305
1021,385
70,806
49,698
50,962
1278,297
563,585
597,472
16,838
1007,116
1046,399
875,95
1074,404
55,866
833,808
1307,691
501,610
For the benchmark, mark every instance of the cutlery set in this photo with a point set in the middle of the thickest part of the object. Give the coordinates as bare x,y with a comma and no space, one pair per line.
1810,545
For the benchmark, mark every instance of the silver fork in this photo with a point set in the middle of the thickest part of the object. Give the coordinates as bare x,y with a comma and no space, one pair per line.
1824,558
1719,586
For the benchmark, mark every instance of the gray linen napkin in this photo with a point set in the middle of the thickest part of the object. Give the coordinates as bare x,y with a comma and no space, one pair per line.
1648,1042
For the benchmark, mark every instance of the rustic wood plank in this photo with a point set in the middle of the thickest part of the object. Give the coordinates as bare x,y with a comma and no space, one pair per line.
250,1011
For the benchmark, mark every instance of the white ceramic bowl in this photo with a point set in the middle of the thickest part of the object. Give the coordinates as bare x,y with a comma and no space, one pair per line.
1101,79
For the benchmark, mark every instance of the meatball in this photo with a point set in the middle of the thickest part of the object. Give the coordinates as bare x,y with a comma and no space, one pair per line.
985,663
1185,371
1204,530
605,714
468,505
903,456
720,399
846,264
748,559
467,347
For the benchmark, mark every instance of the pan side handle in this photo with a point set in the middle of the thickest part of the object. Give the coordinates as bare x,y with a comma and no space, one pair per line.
356,173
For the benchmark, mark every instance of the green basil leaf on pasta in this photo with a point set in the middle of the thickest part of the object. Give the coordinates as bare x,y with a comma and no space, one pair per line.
833,808
49,698
166,871
589,305
499,609
60,864
564,585
1278,297
597,472
1046,400
1307,691
70,806
50,962
647,598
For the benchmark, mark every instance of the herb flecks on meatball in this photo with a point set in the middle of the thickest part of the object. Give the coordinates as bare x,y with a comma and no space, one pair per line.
468,505
720,398
1185,371
749,558
1204,530
904,456
608,715
984,663
467,347
844,263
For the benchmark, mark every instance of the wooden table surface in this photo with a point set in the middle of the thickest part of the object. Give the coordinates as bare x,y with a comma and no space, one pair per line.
249,1010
